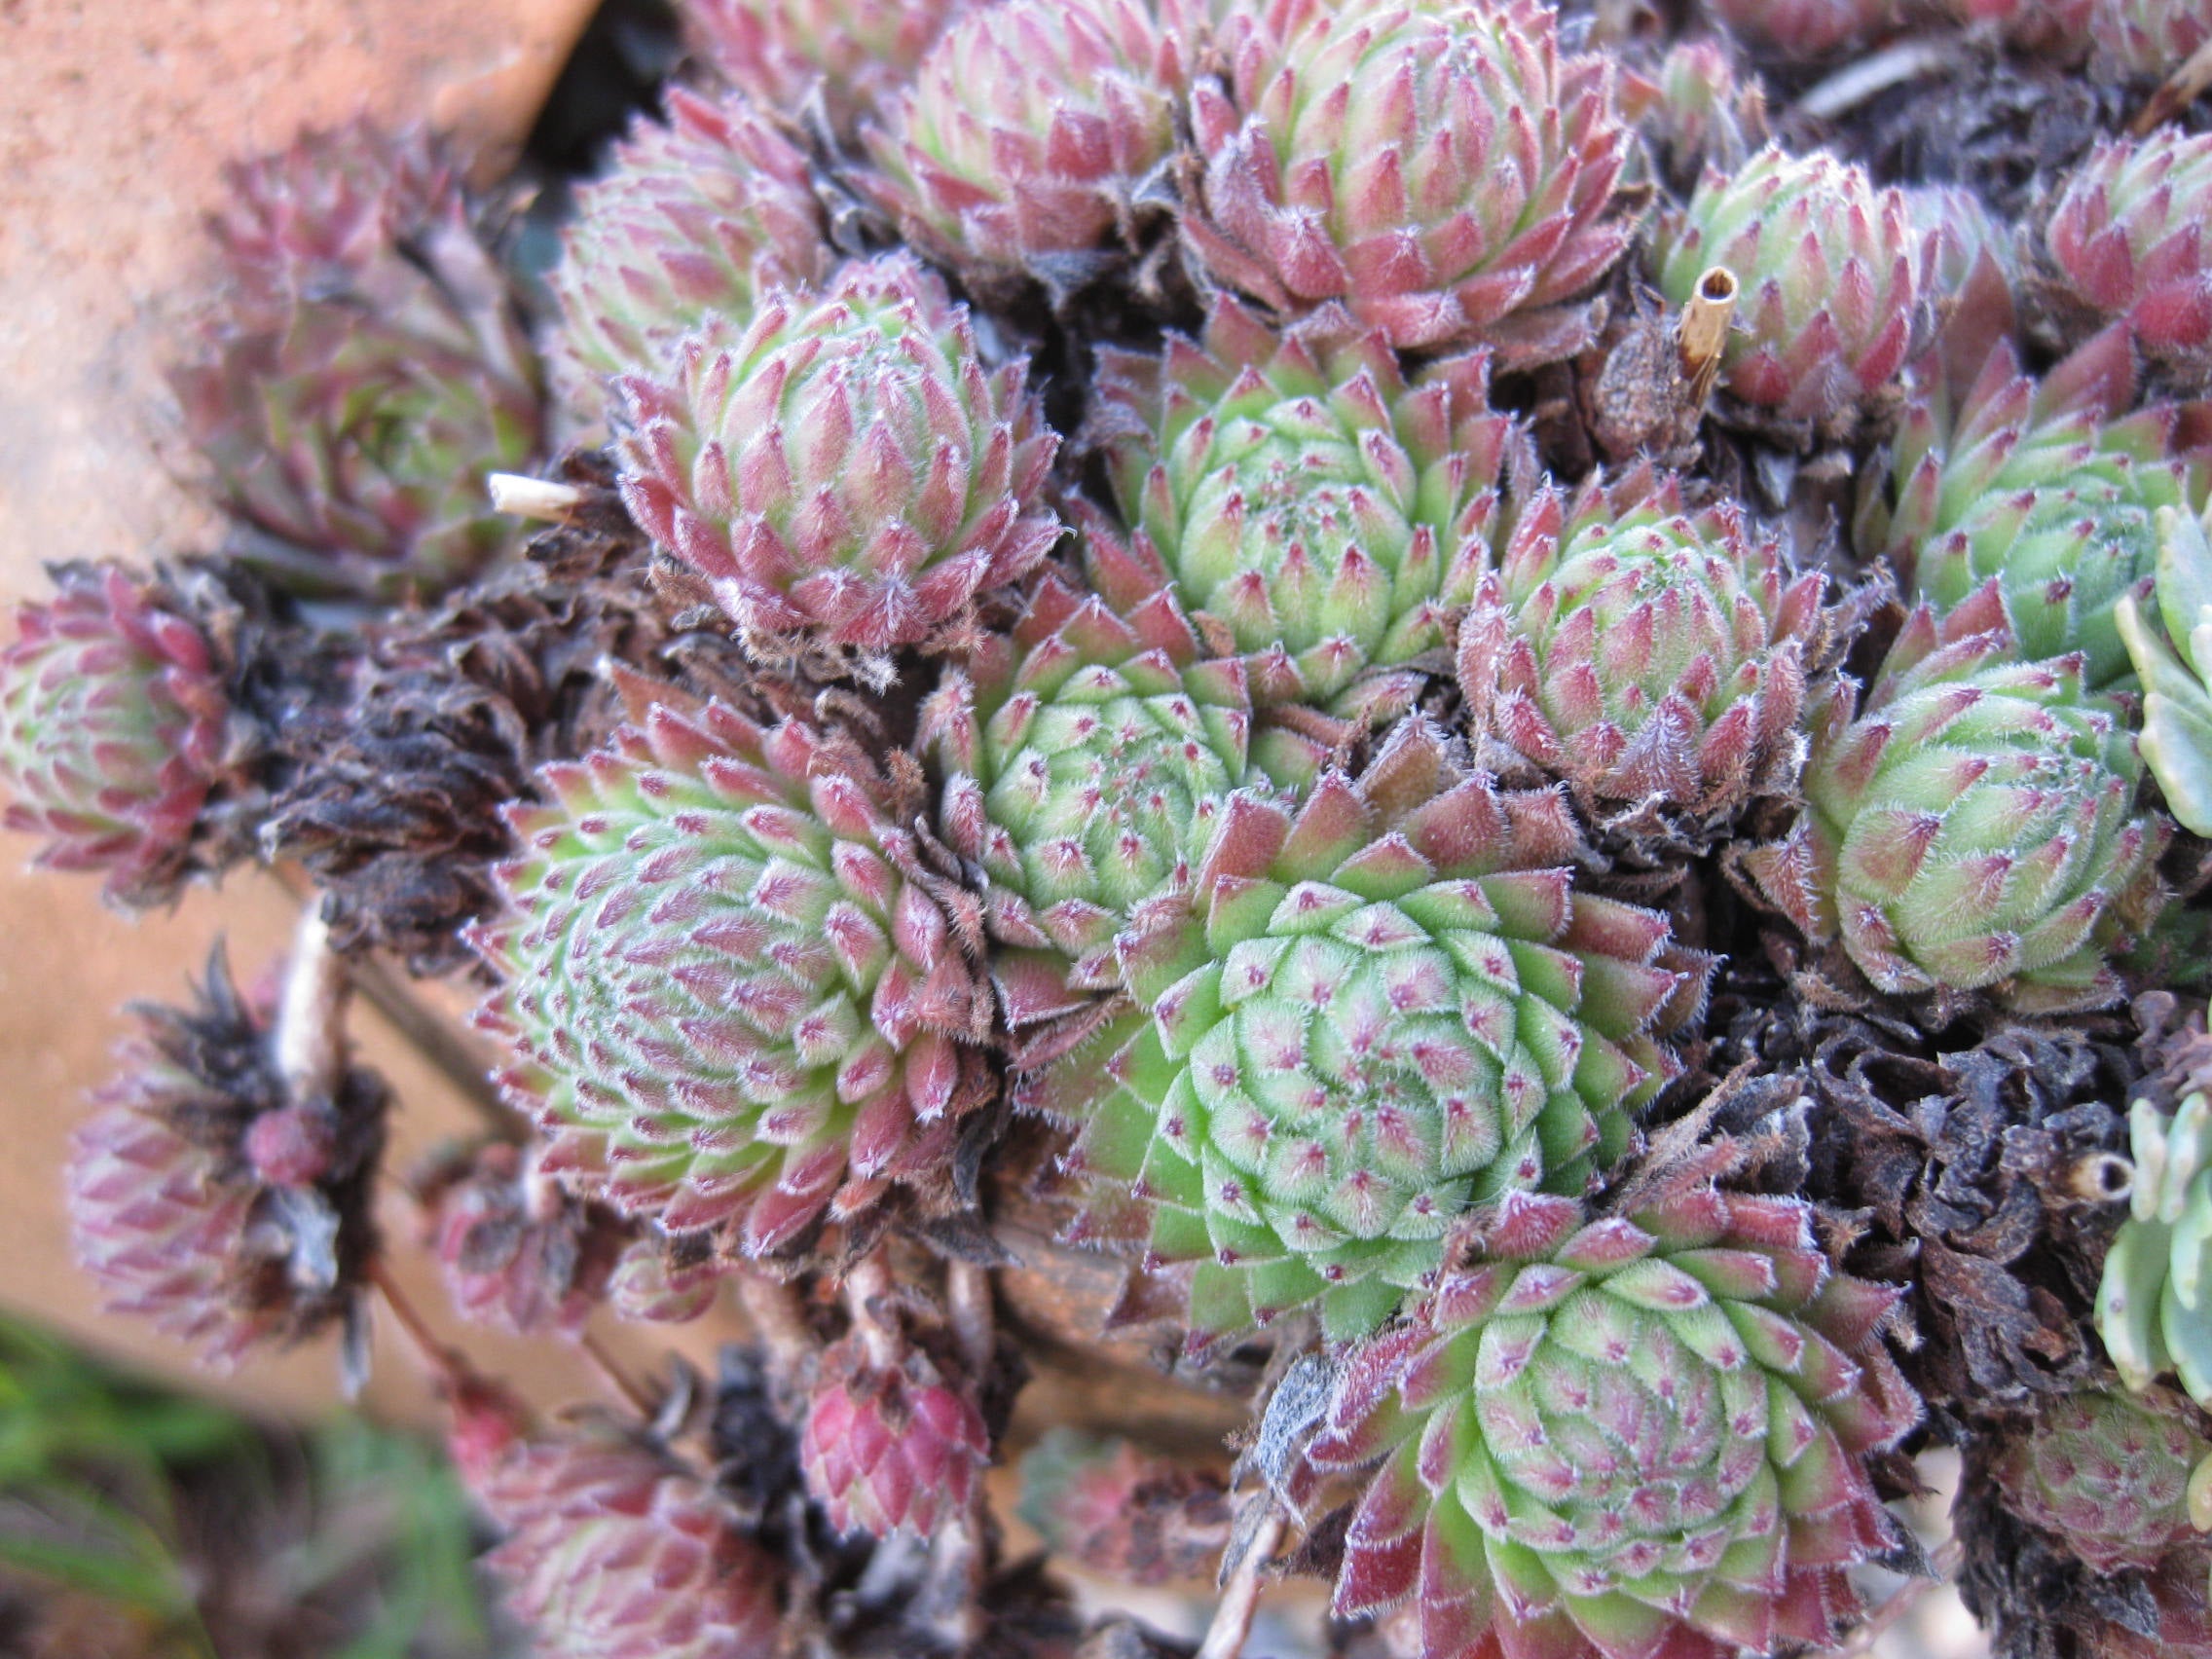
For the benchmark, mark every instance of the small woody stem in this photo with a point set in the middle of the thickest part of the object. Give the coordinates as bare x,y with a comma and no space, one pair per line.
867,1297
529,497
310,1039
616,1380
442,1362
2180,90
968,1298
1701,335
1241,1595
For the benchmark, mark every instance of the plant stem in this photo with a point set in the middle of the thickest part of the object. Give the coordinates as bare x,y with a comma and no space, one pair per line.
1241,1595
310,1040
617,1380
436,1357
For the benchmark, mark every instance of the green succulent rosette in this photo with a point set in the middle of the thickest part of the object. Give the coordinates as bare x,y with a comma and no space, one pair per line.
1362,1017
1641,1434
1975,829
1301,495
2051,488
726,1005
2107,1474
2177,696
1085,757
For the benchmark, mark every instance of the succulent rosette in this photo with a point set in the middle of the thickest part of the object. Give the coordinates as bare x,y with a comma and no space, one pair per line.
519,1253
1708,111
612,1549
2176,669
1364,1016
1446,173
1806,29
727,1007
1298,494
1141,1518
113,723
781,53
367,376
2055,29
328,207
1960,233
1975,829
2146,39
692,219
1834,276
889,1443
2051,488
2152,1300
1085,756
2129,240
206,1197
1617,1437
843,470
2107,1473
666,1279
1031,132
1645,652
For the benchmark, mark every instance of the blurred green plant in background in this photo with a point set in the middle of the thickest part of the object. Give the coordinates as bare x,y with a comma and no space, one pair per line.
134,1521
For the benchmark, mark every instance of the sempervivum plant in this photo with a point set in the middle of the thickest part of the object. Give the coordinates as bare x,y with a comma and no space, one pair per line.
1364,1016
2129,240
215,1196
1626,1436
2054,28
1445,172
362,381
845,471
693,218
2149,39
1031,132
327,206
520,1254
1644,653
113,723
610,1547
2107,1473
1976,828
1302,496
1834,276
889,1443
2176,670
2153,1300
1085,757
2046,487
782,53
1808,29
725,1007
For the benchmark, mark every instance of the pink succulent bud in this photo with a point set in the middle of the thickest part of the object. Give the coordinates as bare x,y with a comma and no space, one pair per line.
1833,277
779,53
1031,132
844,471
112,730
614,1550
1447,174
889,1442
692,219
2130,237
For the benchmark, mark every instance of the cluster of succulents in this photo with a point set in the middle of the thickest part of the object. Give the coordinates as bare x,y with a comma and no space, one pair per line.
1301,687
